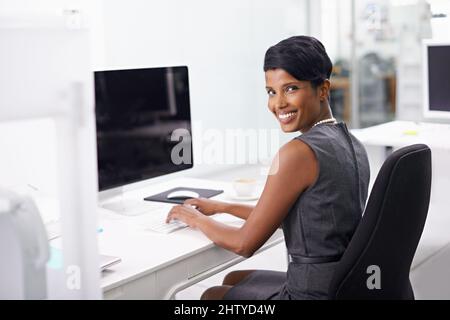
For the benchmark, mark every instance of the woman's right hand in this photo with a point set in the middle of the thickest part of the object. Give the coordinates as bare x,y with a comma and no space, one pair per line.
206,206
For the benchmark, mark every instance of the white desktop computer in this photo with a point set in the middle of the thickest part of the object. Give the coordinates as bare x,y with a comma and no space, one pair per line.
436,80
143,131
137,111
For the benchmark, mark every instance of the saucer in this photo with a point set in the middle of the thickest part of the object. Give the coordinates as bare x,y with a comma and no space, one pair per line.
234,196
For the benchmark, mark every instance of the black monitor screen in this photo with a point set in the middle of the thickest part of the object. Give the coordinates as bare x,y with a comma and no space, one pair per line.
143,124
439,78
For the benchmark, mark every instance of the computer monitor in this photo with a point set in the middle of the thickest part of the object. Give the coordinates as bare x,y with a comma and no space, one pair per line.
436,79
143,121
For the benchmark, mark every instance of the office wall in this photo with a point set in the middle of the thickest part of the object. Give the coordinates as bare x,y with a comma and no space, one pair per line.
90,12
28,148
222,42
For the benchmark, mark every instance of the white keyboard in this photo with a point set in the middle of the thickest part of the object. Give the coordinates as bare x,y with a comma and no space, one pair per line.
146,215
160,226
156,221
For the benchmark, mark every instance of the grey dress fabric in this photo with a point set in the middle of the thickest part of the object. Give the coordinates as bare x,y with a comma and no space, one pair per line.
321,222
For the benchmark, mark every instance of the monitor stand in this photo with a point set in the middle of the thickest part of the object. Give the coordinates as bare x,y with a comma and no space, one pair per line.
130,206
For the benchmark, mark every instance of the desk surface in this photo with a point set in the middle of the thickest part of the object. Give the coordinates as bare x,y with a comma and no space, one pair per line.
145,252
403,133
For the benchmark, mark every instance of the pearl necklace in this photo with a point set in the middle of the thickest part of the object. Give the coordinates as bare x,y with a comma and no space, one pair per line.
329,120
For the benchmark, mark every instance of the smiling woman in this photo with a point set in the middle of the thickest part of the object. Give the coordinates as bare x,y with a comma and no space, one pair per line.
316,193
297,82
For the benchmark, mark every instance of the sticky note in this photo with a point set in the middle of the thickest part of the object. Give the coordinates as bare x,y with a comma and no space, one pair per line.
410,132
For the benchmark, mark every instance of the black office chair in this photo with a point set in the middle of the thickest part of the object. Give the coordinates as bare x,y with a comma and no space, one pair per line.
389,232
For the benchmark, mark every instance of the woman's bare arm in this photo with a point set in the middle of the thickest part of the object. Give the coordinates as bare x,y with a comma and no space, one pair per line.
238,210
294,170
209,207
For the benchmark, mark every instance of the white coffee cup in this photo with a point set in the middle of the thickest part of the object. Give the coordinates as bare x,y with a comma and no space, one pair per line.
244,187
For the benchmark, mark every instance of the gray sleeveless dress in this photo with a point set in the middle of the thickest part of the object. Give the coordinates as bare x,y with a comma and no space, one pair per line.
320,223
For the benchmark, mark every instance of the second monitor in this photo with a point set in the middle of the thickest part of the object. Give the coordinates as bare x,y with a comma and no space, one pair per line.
436,79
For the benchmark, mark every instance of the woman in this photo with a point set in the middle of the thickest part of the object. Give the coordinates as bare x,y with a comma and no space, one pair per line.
316,192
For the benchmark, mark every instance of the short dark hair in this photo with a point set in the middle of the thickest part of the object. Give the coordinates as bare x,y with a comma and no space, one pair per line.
302,57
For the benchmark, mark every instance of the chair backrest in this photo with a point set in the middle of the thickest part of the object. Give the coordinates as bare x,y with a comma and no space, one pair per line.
378,259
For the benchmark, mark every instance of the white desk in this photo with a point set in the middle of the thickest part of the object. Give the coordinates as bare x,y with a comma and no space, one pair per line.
429,270
398,134
156,266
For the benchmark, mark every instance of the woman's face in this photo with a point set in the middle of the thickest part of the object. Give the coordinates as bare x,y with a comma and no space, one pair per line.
294,103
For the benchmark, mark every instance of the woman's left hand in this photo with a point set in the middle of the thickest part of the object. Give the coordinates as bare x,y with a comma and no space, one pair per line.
185,213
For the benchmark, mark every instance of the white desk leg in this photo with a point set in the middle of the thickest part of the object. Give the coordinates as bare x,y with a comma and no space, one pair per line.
170,295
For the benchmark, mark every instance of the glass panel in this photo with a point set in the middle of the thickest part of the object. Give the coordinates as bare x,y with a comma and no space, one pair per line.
336,37
375,46
375,55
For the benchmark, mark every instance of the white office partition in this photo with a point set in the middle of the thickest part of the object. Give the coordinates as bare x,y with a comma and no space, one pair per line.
45,73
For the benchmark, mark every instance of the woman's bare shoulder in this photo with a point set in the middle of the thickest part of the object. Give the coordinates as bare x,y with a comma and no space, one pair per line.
295,156
297,150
